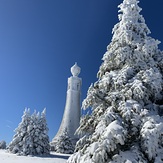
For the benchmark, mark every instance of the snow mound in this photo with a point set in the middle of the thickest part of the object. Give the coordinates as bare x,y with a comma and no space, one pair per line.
6,157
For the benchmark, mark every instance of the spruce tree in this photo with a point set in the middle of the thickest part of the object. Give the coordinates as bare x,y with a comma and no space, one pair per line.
126,124
20,139
43,143
31,136
64,144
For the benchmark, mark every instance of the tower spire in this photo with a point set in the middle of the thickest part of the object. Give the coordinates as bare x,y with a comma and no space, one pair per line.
71,116
75,70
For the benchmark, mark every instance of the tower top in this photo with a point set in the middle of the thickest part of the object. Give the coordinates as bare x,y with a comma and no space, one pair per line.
75,70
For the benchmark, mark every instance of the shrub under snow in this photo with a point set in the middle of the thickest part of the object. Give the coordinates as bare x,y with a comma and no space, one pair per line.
2,144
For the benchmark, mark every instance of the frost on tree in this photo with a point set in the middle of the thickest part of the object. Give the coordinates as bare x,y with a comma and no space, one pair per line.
31,136
19,142
126,124
43,136
64,144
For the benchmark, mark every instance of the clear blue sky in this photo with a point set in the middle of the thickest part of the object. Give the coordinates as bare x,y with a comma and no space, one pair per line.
41,39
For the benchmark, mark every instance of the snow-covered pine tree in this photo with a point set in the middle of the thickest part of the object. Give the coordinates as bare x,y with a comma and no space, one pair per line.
19,142
43,138
64,144
31,136
126,124
38,134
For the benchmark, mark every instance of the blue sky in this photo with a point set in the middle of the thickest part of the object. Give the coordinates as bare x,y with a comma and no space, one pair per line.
39,42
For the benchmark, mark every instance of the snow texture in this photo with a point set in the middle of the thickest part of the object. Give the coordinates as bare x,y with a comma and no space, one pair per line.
6,157
126,123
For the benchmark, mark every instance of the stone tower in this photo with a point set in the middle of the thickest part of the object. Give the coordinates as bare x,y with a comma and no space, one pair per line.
71,116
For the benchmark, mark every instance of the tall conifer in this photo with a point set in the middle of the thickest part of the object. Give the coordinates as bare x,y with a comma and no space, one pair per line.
126,124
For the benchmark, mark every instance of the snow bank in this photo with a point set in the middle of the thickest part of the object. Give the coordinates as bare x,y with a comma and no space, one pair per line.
6,157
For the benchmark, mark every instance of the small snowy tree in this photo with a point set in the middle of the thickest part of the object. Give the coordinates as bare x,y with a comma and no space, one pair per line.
19,142
2,144
31,135
42,135
64,144
126,124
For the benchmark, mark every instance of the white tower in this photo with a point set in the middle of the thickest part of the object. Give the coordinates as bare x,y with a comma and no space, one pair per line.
71,116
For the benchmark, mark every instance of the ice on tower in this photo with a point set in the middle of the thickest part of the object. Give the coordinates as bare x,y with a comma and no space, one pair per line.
71,116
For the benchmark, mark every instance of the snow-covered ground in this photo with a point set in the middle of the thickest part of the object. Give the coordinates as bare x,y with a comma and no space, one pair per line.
6,157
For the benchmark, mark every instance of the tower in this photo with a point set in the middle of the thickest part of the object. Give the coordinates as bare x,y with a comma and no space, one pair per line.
71,116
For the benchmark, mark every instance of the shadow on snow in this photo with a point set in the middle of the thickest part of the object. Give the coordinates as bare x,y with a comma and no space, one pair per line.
56,155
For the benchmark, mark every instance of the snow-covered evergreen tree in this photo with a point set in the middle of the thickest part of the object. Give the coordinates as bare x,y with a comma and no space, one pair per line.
126,124
43,143
19,142
31,136
64,144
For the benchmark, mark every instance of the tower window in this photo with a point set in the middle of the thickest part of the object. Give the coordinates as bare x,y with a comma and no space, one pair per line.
78,86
